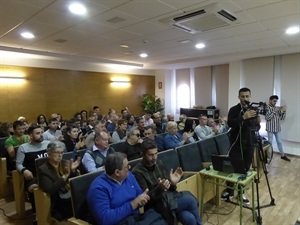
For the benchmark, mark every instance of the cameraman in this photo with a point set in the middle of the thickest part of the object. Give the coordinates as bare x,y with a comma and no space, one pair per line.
243,121
274,116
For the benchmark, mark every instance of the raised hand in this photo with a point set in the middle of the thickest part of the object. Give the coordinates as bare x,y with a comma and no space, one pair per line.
141,200
164,183
67,167
176,175
75,164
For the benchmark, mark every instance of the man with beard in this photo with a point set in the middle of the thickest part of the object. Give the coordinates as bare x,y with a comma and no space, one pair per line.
243,123
25,161
151,174
274,117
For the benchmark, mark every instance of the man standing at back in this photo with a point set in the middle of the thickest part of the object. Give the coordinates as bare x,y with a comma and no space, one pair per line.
151,174
274,116
25,161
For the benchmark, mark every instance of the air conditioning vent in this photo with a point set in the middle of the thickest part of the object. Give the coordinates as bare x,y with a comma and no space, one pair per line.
208,18
227,15
197,13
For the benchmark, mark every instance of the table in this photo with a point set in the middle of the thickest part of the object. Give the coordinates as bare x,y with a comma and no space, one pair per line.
241,183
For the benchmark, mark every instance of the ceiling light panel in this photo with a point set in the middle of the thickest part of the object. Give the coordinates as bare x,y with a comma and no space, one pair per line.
77,8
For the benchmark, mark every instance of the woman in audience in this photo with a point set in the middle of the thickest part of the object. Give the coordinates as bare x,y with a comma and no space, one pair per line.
182,119
6,129
53,178
119,135
42,121
130,121
84,115
72,140
189,127
174,139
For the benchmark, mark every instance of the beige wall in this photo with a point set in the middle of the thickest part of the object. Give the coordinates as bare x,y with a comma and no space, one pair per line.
65,91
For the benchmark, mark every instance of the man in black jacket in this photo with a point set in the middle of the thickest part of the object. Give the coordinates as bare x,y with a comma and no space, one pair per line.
243,122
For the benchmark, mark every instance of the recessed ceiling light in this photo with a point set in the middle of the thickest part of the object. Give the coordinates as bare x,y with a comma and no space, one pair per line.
27,35
292,30
124,46
77,8
143,55
200,45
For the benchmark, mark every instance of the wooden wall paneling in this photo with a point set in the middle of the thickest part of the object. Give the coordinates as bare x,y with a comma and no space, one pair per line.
49,90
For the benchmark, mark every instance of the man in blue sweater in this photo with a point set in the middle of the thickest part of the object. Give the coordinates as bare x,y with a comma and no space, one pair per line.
115,195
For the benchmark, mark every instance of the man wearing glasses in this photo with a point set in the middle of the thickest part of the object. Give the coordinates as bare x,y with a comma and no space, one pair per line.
115,195
132,146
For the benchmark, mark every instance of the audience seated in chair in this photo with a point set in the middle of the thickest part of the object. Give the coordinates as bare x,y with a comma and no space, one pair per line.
151,175
115,195
159,125
119,135
174,139
13,142
72,140
94,158
150,133
130,121
53,178
182,119
42,122
98,127
53,133
189,127
25,160
203,131
140,124
148,121
132,146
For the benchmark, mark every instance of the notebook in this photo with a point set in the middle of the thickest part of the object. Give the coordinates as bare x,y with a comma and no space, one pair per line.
228,164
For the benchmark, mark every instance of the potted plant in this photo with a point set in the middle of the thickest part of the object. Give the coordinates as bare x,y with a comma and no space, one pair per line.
151,103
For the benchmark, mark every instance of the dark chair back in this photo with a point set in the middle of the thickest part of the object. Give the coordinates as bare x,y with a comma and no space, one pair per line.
3,152
207,148
223,143
170,159
189,157
80,153
133,162
116,146
79,187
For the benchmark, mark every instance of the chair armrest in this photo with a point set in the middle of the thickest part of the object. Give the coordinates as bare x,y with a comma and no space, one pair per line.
43,206
74,221
18,183
3,180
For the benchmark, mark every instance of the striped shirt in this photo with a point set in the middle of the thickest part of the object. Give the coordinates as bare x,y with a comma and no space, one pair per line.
274,119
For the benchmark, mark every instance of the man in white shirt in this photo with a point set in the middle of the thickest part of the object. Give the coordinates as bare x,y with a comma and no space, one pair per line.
203,131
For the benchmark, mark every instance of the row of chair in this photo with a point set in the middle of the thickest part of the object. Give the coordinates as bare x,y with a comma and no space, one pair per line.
189,157
192,157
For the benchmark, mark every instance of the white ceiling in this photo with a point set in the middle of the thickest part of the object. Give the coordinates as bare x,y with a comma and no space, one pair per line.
259,31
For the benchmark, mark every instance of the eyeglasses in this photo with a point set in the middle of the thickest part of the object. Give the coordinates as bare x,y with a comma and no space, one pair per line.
138,135
127,167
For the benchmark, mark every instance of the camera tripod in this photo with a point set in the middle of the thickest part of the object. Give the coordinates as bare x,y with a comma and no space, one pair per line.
259,159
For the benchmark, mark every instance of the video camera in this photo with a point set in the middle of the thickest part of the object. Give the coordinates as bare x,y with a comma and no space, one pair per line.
259,107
